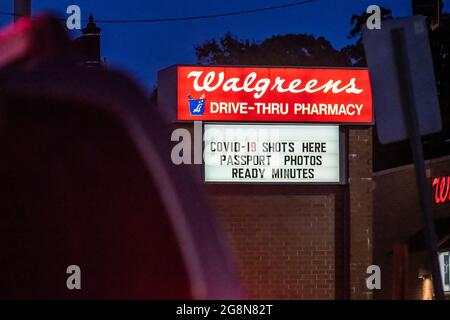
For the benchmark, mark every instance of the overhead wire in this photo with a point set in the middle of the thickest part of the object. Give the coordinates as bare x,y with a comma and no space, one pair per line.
187,18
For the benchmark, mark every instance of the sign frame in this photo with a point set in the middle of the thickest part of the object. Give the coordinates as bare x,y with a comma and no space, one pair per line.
168,78
343,164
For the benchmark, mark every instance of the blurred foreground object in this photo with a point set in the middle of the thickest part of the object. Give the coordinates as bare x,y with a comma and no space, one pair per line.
32,40
432,9
87,180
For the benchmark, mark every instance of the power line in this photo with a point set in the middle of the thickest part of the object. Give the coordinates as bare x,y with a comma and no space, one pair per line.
200,17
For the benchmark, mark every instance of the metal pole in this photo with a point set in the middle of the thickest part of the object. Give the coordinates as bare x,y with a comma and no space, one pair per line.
412,126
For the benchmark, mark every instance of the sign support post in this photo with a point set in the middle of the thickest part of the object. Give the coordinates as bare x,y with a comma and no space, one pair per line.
412,127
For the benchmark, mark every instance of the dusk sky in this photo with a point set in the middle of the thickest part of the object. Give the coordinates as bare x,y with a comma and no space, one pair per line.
144,48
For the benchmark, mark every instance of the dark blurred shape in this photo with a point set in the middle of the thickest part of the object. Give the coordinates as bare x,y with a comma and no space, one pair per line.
412,109
89,44
87,180
30,41
22,8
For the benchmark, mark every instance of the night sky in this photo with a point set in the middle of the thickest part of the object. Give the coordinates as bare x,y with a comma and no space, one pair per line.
144,48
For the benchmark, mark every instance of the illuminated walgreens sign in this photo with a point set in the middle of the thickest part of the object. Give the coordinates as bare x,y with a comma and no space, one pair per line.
274,94
441,186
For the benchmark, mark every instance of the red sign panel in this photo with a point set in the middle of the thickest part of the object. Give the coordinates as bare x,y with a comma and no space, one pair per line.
274,94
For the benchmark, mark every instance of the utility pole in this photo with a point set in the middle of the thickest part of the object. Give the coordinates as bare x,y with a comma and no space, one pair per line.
22,8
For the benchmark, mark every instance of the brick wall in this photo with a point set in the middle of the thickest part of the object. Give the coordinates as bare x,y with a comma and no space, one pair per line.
361,207
289,240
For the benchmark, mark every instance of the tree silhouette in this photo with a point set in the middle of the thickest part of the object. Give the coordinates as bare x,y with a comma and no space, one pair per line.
286,50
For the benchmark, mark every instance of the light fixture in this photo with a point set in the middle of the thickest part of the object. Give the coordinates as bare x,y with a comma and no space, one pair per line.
423,273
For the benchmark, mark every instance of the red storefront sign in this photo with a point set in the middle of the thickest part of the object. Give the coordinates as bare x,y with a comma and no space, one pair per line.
321,95
441,187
